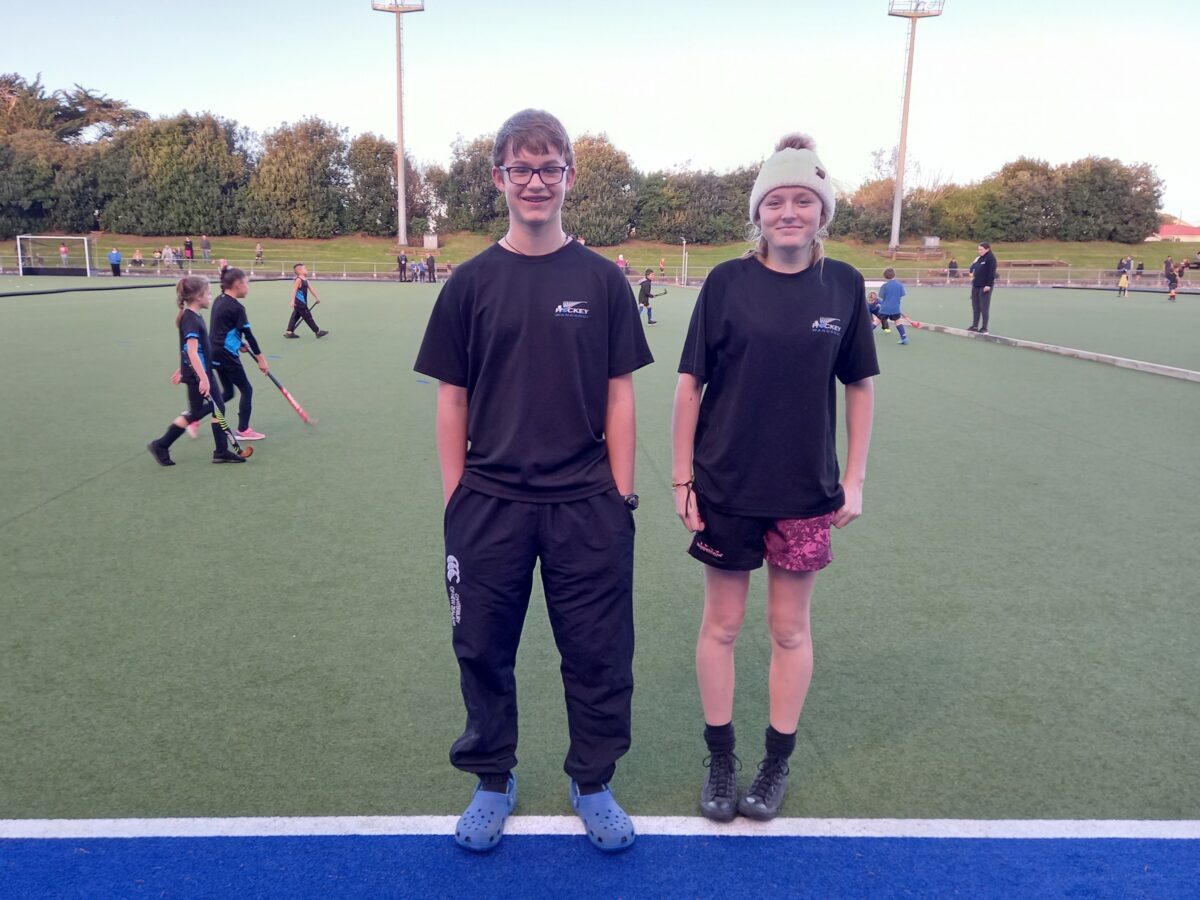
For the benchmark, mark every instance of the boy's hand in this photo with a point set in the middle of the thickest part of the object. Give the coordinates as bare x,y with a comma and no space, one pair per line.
204,386
175,377
262,364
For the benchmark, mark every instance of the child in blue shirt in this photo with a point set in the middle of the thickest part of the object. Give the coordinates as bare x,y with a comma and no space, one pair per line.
890,294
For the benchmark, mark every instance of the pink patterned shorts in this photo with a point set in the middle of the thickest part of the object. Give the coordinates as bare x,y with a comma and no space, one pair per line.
741,543
800,545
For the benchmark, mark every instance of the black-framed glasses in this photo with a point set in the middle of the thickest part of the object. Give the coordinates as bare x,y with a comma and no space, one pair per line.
524,174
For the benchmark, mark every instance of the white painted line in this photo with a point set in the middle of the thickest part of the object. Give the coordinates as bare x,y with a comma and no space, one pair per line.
1156,829
1071,352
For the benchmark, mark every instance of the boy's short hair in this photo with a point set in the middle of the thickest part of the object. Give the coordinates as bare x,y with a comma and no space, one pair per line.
296,267
532,129
985,245
649,271
231,276
889,273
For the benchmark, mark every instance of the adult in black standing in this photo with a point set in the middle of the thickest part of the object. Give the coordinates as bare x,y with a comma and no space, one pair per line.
431,268
402,261
983,280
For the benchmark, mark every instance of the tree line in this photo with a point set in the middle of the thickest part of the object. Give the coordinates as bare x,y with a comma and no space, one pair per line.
75,160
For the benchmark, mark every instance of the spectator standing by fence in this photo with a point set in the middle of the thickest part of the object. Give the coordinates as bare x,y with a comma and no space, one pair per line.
205,247
983,279
63,254
114,260
258,253
431,268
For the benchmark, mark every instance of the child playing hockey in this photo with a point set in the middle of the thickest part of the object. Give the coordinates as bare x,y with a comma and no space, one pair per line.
301,309
891,292
644,297
191,296
230,328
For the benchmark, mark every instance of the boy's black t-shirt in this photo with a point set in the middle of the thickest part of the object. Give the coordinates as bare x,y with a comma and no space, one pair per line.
768,347
302,292
191,325
535,340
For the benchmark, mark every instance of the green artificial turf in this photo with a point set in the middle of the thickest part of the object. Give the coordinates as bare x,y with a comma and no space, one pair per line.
1143,326
1010,631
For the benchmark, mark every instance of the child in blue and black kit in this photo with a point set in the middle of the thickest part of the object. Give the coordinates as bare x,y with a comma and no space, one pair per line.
890,294
195,371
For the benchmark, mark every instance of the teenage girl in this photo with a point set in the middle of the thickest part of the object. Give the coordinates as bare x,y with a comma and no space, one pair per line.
755,471
302,291
191,296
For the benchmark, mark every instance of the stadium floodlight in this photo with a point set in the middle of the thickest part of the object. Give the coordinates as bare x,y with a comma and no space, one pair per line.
398,9
911,10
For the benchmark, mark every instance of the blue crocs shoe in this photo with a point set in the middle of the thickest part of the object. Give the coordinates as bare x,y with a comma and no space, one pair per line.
608,828
482,825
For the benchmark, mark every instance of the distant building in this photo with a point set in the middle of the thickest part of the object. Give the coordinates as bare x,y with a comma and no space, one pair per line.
1190,233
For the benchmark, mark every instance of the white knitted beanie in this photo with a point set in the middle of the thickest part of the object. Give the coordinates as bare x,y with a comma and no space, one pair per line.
794,164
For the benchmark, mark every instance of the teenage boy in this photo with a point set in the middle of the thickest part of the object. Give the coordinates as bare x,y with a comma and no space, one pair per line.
230,328
533,343
983,279
301,292
645,295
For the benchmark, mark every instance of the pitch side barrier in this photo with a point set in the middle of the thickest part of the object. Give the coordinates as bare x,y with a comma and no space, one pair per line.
691,275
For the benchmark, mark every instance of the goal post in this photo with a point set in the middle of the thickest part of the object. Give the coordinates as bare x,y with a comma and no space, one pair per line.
47,254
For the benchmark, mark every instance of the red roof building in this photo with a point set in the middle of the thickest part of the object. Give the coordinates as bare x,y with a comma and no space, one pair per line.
1176,233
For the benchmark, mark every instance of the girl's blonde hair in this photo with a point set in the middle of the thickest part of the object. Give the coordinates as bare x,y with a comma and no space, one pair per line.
793,141
187,289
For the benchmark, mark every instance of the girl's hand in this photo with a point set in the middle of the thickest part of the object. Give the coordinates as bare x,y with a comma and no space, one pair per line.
262,364
852,508
687,509
204,386
175,377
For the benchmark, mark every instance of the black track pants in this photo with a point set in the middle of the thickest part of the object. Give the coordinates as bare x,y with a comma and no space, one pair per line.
981,304
300,312
233,379
586,552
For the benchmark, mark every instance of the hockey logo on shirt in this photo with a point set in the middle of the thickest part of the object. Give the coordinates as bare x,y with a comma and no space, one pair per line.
572,309
827,325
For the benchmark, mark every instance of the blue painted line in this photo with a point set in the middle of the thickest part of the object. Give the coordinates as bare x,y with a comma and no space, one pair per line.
423,381
567,866
273,356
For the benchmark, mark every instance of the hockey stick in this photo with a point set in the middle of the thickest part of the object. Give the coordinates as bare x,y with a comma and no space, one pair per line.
304,417
219,415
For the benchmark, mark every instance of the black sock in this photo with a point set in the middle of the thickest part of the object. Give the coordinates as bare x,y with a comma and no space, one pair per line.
219,438
171,435
496,783
780,745
719,738
585,789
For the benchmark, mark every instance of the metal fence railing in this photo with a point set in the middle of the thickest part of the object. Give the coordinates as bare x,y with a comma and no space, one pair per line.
374,270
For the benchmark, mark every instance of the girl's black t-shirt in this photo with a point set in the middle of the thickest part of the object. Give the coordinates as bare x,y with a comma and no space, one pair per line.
767,347
191,325
535,340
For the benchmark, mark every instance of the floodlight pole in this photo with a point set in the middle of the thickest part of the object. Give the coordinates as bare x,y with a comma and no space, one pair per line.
398,9
911,10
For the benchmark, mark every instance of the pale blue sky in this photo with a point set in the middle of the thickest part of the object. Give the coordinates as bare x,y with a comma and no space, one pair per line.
710,84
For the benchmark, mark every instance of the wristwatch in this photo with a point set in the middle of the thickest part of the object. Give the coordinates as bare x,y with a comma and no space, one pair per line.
632,501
